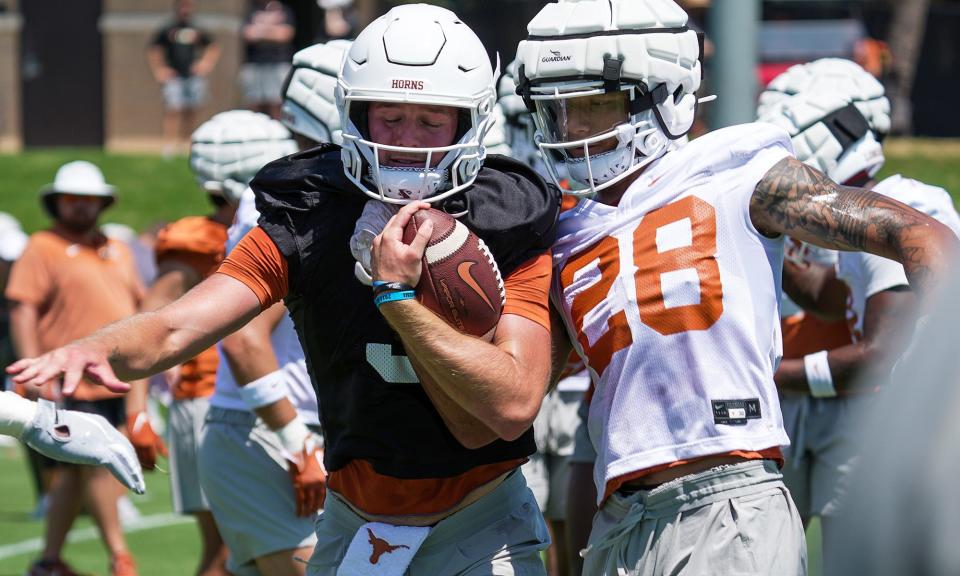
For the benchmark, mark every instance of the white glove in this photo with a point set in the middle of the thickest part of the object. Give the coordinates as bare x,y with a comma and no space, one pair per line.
371,223
80,438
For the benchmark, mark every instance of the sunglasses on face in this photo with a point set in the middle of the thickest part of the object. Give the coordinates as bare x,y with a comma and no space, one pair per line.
79,199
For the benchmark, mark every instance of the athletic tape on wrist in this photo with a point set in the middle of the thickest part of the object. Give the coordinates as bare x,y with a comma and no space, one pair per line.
818,375
394,297
293,435
264,390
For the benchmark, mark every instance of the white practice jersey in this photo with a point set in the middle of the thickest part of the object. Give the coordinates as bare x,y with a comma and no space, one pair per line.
286,344
674,297
867,274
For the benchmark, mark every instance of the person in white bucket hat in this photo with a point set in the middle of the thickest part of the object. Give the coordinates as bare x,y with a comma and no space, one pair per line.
77,178
71,280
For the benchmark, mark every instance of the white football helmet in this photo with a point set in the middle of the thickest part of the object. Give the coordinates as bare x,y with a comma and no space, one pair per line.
309,105
229,149
416,54
641,49
836,114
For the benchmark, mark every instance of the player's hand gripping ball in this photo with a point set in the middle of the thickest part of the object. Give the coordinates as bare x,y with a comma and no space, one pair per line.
459,281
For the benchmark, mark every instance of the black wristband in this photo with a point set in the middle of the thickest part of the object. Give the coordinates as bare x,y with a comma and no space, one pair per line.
384,287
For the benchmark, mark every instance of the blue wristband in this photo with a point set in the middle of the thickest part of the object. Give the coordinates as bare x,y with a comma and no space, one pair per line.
379,283
394,297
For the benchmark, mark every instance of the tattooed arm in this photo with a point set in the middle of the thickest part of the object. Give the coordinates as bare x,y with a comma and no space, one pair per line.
885,315
795,199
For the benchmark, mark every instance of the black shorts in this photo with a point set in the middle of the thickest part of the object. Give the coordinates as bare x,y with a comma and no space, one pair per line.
113,409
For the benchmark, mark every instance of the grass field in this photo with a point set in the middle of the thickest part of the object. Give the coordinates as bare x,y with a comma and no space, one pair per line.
152,190
163,544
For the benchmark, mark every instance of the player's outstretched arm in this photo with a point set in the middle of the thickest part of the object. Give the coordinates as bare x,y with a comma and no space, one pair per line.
797,200
500,383
147,343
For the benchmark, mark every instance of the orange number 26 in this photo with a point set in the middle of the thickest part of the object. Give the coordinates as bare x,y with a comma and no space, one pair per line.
671,245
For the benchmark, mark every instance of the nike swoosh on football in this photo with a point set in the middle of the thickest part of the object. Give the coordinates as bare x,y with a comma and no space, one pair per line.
464,271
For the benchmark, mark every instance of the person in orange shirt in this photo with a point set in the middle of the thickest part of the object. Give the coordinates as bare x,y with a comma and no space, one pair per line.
70,281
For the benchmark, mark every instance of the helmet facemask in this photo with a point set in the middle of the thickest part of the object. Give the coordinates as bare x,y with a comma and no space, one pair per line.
599,135
433,181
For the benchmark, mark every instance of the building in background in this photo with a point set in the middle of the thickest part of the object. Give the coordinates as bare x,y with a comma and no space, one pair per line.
94,50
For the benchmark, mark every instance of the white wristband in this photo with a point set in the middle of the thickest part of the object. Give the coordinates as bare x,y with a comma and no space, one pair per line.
294,435
818,375
264,390
16,412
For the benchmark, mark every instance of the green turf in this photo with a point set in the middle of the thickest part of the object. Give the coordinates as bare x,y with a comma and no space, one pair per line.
171,550
149,188
152,189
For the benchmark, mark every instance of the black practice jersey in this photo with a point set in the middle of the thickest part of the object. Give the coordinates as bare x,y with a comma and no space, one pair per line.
371,404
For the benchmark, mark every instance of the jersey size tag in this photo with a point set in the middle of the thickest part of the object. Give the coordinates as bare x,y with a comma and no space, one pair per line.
735,412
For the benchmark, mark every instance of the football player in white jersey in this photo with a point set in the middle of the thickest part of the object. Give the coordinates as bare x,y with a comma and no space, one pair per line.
837,115
263,427
668,282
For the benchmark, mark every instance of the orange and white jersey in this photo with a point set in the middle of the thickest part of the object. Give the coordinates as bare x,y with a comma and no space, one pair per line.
867,274
673,300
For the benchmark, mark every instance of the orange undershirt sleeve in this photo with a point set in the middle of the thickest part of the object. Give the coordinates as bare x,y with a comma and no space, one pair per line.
528,290
257,262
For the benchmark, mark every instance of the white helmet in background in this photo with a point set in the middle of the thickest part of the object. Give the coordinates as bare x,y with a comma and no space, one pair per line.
836,114
641,53
519,127
496,140
417,54
309,105
229,149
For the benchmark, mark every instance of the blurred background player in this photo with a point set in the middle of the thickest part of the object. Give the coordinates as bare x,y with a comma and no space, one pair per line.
70,281
309,109
268,45
837,117
900,515
188,251
181,56
339,19
262,372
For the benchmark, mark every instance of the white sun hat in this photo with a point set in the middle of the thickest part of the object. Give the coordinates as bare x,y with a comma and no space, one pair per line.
79,177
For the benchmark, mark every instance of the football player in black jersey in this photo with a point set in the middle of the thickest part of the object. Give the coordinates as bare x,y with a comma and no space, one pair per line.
421,470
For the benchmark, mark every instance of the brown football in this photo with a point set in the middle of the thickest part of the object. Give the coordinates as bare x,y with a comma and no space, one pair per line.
460,281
